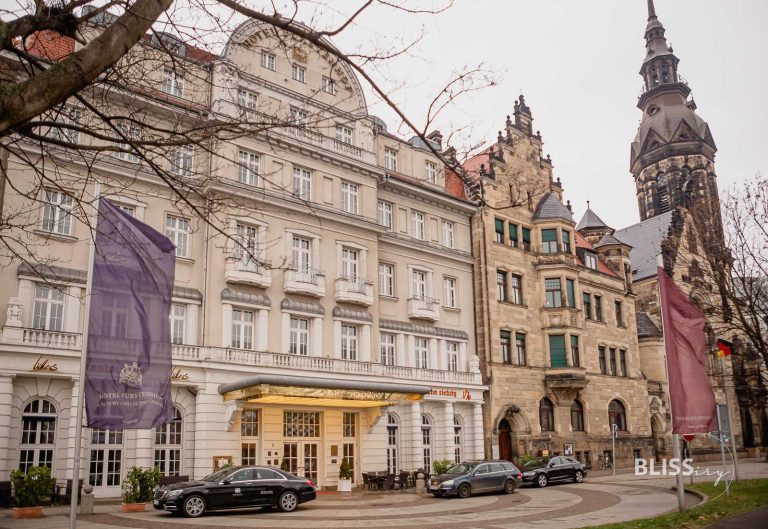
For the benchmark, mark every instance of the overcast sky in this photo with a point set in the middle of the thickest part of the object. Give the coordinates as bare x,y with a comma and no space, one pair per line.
577,63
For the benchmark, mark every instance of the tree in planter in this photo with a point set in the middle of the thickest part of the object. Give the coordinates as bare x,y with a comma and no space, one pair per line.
345,470
139,484
32,488
284,466
441,466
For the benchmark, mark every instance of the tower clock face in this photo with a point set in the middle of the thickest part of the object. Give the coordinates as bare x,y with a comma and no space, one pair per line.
653,109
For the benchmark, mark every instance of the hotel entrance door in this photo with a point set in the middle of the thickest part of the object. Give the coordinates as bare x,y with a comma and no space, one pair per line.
302,458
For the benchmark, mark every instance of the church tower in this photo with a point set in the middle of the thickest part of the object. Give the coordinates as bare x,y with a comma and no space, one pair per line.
672,156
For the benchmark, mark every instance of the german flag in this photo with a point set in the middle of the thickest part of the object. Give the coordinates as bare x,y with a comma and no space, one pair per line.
724,348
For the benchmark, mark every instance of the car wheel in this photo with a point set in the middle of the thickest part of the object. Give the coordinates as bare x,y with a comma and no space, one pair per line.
578,477
541,480
436,494
464,491
194,506
509,486
288,501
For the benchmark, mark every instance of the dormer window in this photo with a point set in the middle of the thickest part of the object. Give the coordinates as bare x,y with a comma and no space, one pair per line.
590,260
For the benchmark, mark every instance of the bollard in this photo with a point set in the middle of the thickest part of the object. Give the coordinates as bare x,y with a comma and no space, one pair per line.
86,499
420,484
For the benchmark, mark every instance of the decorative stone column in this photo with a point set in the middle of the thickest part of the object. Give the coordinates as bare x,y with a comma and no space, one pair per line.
445,432
477,429
193,317
365,343
262,330
409,355
226,325
433,354
6,401
415,454
316,347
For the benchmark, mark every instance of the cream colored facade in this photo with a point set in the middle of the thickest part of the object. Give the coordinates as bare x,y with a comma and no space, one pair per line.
340,290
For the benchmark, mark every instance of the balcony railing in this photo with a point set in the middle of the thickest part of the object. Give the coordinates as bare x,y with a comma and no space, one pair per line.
354,290
249,271
424,308
54,339
318,364
304,280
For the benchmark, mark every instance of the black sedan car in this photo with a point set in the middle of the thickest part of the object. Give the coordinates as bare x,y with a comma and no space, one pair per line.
236,488
464,479
550,469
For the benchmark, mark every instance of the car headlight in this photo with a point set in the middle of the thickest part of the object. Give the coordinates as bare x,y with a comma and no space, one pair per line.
173,494
529,473
447,483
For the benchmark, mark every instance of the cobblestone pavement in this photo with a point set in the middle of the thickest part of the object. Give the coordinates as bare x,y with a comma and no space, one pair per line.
600,499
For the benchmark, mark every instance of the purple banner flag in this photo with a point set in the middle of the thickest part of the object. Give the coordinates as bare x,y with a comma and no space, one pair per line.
128,375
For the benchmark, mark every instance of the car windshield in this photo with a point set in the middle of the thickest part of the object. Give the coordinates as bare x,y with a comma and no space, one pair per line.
217,476
461,468
536,462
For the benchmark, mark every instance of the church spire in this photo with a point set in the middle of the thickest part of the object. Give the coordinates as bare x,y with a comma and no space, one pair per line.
651,10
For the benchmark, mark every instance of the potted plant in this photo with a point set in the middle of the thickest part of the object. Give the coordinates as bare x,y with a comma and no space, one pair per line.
30,490
138,486
285,466
345,476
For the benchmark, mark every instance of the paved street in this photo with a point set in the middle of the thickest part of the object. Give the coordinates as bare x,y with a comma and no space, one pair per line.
601,499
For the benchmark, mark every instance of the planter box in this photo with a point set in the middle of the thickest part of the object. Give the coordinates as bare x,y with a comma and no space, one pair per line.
344,485
133,507
27,512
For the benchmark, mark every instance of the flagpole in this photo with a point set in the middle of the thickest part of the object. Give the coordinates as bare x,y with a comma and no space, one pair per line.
83,353
730,424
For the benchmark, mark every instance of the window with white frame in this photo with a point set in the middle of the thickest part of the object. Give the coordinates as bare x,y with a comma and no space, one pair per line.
349,197
430,169
38,435
422,353
301,254
242,329
66,117
57,213
247,99
387,348
385,214
417,225
248,168
452,349
590,260
349,345
182,160
419,285
298,343
457,439
390,159
392,442
245,246
167,450
350,264
299,73
344,134
299,117
178,323
449,292
426,442
128,208
177,230
173,83
268,60
49,308
447,234
249,430
386,279
328,85
106,459
302,183
131,133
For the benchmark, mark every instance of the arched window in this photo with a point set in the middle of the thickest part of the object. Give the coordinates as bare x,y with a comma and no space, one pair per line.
426,442
38,434
662,192
546,415
392,427
617,415
577,416
168,445
457,439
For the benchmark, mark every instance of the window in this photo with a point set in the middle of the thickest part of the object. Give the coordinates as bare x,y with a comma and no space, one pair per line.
350,264
566,241
248,453
506,346
422,353
575,358
302,183
349,197
38,435
348,342
513,237
449,292
426,442
546,415
386,279
49,308
527,239
554,297
168,446
587,300
348,424
598,308
387,348
128,154
268,60
517,289
623,362
182,160
298,342
499,231
131,210
301,258
177,230
178,323
392,436
106,447
601,358
301,423
520,347
249,423
613,360
430,169
419,284
390,159
457,439
619,316
549,241
245,250
173,83
501,285
447,234
417,225
66,117
299,117
328,85
617,415
242,329
344,134
570,292
57,213
385,214
114,316
557,356
453,356
577,416
299,73
248,168
590,260
247,99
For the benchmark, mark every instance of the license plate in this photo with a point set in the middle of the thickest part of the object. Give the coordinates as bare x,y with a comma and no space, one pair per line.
156,502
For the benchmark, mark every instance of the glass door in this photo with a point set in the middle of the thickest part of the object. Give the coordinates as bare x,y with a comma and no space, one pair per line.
105,464
290,458
310,461
301,459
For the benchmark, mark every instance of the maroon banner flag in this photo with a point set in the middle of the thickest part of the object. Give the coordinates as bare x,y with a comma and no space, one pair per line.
690,392
128,363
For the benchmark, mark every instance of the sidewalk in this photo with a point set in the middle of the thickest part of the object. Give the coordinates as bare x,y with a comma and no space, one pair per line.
748,520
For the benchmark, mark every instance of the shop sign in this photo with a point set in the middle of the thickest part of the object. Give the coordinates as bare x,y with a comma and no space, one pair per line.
450,392
44,364
263,390
178,374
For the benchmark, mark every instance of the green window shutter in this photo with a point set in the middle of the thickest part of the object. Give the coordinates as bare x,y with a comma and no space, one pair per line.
499,226
513,232
557,356
526,235
548,235
570,292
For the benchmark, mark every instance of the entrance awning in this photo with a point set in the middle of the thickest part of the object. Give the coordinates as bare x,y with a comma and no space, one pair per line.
310,391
